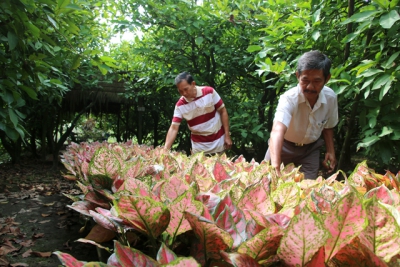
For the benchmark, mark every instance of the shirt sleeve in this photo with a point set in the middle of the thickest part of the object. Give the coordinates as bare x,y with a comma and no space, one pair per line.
284,110
334,117
218,103
177,118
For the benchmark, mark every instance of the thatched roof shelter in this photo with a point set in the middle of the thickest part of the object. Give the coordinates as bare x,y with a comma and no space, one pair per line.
108,98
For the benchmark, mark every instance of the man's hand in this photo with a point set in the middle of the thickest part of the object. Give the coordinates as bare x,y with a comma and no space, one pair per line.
330,162
228,142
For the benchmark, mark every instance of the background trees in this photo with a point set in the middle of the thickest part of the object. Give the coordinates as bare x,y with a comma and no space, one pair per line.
247,50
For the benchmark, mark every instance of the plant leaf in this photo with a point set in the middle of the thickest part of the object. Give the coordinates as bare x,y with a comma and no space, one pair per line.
382,193
239,260
165,255
173,188
100,234
183,262
257,198
382,232
344,223
83,207
356,254
287,195
143,213
219,172
226,222
178,224
303,238
264,244
237,214
209,234
131,257
68,260
105,162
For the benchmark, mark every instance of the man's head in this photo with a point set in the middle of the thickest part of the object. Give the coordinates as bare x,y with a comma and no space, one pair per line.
186,85
313,72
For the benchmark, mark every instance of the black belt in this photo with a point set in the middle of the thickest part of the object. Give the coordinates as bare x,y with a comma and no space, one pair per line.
297,144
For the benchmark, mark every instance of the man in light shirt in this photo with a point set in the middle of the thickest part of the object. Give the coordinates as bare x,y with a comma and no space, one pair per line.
206,116
303,114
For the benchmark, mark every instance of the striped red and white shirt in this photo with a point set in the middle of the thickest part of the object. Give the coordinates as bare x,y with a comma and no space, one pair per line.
203,119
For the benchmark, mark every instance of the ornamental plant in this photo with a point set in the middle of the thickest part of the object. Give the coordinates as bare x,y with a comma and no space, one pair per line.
167,209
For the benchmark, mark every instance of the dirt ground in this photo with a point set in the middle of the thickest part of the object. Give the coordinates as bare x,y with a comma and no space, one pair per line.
34,219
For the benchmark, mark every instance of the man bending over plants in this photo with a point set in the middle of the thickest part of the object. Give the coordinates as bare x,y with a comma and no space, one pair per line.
206,116
303,114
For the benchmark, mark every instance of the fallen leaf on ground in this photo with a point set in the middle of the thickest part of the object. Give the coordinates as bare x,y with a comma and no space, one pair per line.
27,253
41,254
45,215
38,235
19,264
44,221
49,204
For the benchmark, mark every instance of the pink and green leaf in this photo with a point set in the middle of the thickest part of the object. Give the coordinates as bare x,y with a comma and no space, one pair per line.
135,187
144,214
382,193
96,264
219,172
105,162
287,195
237,214
356,254
173,188
97,199
165,255
210,200
113,261
178,224
344,223
132,169
104,221
213,238
101,181
258,199
303,238
382,234
183,262
68,260
239,260
264,244
83,207
318,203
226,222
318,260
127,256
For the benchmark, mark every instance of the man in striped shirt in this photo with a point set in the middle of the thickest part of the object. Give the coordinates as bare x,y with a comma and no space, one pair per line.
206,116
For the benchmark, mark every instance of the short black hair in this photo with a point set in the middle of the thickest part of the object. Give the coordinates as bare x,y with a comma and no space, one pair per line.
184,76
314,60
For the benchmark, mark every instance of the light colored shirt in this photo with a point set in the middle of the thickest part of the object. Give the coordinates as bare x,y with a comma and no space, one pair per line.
305,124
203,119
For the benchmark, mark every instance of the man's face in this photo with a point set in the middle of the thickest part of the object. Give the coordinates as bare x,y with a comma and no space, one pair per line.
187,90
311,83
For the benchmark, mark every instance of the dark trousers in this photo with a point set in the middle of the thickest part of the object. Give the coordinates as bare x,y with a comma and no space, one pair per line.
306,156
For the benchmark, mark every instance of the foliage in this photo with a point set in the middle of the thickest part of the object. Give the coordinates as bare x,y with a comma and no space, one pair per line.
230,212
362,39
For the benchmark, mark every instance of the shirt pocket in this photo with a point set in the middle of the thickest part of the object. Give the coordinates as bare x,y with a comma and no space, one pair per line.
321,124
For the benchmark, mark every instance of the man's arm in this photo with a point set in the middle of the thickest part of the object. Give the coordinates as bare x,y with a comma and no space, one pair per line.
330,150
171,135
225,123
275,145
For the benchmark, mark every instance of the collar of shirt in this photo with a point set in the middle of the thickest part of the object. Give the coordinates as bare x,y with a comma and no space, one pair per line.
321,97
199,93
